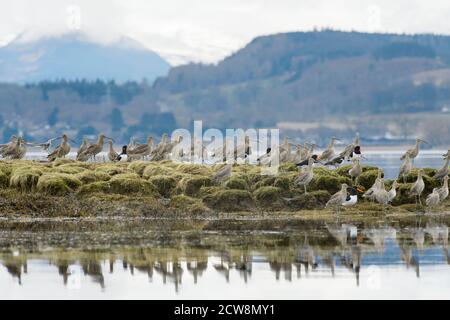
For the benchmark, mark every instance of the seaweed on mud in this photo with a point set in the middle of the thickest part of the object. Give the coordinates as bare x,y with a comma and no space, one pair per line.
57,184
164,184
191,185
230,200
188,204
236,183
268,196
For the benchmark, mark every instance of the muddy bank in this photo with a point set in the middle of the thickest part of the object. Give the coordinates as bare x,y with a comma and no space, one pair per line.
67,188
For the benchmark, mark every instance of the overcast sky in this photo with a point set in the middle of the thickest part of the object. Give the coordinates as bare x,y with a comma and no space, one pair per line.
209,30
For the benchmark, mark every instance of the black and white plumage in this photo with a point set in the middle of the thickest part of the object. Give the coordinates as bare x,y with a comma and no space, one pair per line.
304,163
352,197
123,156
335,161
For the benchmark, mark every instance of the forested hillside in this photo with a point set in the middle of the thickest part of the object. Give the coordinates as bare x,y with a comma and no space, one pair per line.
305,77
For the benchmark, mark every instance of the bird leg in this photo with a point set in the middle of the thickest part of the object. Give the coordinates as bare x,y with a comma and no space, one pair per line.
306,192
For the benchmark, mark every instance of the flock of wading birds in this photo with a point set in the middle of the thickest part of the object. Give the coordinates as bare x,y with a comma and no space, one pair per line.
303,156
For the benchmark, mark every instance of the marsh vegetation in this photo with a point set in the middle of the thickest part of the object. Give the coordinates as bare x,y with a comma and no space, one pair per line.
75,189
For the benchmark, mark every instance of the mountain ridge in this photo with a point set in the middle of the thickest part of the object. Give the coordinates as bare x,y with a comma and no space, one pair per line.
74,56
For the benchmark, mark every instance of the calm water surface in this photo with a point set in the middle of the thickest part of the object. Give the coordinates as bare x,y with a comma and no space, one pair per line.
307,261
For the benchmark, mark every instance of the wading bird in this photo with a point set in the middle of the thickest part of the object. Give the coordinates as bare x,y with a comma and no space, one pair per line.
328,154
370,194
338,199
46,145
352,197
356,170
123,156
4,148
112,154
223,174
393,191
82,149
306,176
433,199
444,171
16,150
418,187
61,151
413,152
94,149
352,149
142,150
405,167
306,162
443,191
381,195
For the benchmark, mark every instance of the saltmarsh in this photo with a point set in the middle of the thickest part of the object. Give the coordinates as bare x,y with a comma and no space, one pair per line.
70,188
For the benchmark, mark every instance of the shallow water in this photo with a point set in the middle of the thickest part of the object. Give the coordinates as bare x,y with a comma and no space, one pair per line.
75,261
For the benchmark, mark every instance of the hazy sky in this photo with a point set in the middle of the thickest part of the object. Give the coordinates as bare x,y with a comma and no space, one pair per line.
208,30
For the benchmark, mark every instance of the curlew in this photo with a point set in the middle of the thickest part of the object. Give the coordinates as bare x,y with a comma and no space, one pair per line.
328,154
62,150
160,147
15,150
405,167
381,195
82,149
338,198
112,154
164,150
370,194
393,191
444,171
413,152
356,170
94,149
433,199
142,150
223,174
418,186
297,156
443,191
5,148
46,145
306,176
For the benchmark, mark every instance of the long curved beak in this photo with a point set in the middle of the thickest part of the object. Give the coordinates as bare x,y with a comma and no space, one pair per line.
110,139
424,141
73,141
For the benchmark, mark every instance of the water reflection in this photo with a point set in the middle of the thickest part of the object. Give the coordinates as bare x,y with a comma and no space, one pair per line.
320,252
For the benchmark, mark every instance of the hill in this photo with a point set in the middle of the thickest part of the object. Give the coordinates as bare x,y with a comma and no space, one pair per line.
306,75
317,84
